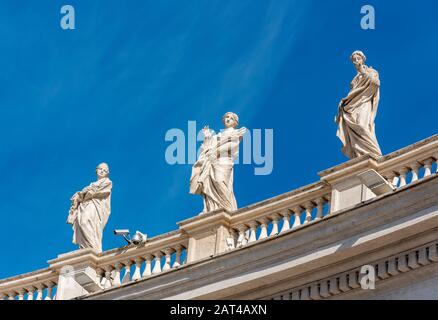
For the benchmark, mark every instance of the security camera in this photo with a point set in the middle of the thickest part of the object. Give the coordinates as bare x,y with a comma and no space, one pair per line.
121,232
124,233
139,238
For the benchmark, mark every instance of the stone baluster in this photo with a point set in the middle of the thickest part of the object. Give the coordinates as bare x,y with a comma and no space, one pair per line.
11,295
263,228
168,255
253,231
309,207
40,289
108,270
147,269
100,276
415,167
184,260
328,198
403,173
428,167
233,236
117,270
274,218
297,212
286,224
393,179
137,273
30,291
320,207
389,177
242,239
49,285
436,163
157,264
127,275
21,294
178,251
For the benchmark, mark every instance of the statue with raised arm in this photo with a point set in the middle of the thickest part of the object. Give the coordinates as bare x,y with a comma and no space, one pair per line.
90,209
357,111
212,174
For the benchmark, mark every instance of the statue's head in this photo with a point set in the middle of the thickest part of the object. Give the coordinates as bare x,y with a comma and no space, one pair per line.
230,120
358,58
102,170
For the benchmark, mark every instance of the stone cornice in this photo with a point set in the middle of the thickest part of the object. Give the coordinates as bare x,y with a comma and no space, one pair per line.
347,281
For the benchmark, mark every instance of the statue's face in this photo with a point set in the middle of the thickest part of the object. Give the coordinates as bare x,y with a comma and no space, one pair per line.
357,60
102,171
229,121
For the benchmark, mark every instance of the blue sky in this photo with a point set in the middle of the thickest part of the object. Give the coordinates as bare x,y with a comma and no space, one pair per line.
131,70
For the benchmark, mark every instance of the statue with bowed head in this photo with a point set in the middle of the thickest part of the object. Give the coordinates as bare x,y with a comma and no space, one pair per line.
357,111
90,210
212,174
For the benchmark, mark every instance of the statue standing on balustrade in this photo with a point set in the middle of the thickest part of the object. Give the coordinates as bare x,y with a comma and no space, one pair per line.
212,174
357,111
90,210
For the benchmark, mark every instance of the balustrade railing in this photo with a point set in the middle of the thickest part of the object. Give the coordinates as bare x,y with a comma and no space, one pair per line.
114,268
312,203
132,263
410,164
280,214
37,285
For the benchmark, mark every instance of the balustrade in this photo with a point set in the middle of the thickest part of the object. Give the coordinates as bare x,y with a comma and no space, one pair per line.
405,172
135,267
257,228
36,286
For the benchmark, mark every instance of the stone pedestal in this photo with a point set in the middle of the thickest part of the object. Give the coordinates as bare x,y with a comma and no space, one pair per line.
354,182
77,273
207,234
349,192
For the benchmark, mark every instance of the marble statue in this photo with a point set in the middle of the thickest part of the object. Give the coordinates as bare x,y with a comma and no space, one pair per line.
90,210
212,173
357,111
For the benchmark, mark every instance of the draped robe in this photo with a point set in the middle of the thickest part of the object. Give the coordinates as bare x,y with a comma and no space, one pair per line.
356,116
91,215
212,173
